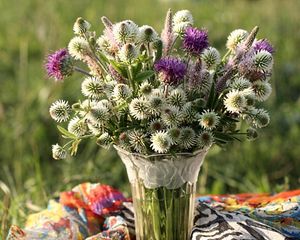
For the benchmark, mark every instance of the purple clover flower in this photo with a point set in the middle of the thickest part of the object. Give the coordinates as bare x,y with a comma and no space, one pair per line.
195,40
170,69
59,64
263,44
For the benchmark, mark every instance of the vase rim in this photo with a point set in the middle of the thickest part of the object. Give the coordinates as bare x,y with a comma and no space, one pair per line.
161,154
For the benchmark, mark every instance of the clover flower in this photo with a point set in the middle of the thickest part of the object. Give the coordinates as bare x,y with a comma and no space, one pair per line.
236,37
160,142
251,134
240,84
139,108
210,57
125,32
60,111
104,140
262,90
260,118
235,101
59,64
92,88
180,28
171,116
177,97
104,45
77,126
155,104
122,91
195,40
137,140
183,16
263,44
128,53
147,34
58,152
209,119
189,114
78,48
81,26
263,60
98,115
171,70
174,134
187,138
156,125
205,139
146,88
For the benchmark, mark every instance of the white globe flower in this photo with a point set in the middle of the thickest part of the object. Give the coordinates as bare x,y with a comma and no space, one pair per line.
236,37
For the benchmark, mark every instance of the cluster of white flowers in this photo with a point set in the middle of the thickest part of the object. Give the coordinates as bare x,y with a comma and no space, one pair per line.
148,100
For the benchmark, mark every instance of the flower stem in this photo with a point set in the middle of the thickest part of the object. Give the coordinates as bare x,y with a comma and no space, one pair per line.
78,69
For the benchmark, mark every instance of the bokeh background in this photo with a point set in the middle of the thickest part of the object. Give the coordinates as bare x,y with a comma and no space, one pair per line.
30,29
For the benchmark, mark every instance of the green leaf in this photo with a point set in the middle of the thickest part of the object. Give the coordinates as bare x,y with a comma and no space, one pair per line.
74,147
136,68
66,133
103,57
143,75
211,99
120,68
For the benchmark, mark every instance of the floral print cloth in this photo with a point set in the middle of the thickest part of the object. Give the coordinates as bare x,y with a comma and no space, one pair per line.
98,212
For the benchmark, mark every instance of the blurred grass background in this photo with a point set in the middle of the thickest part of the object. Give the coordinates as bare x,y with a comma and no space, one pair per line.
30,29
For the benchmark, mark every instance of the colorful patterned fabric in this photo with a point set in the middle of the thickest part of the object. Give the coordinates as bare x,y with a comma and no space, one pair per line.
95,211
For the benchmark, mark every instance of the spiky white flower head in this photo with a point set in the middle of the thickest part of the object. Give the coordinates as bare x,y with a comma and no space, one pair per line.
174,134
60,111
236,37
92,88
128,53
125,31
171,116
139,108
262,90
205,139
78,48
209,119
189,114
58,152
81,26
183,16
145,88
240,84
104,45
98,115
104,140
156,125
104,103
187,138
180,28
77,126
252,134
260,118
137,140
95,129
235,101
263,60
122,91
160,142
147,34
85,106
155,104
177,97
210,57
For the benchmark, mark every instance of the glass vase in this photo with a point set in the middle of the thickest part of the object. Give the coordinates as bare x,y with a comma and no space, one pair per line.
163,193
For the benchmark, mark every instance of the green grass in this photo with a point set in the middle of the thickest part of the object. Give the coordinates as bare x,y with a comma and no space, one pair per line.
30,29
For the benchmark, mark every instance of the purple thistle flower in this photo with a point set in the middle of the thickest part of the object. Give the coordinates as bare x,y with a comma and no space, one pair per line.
195,40
171,70
59,64
263,44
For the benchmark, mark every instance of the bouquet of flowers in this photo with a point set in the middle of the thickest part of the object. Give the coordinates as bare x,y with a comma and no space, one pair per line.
161,94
